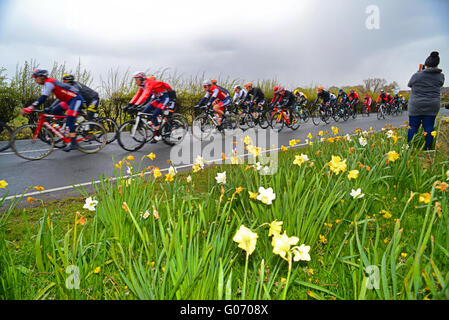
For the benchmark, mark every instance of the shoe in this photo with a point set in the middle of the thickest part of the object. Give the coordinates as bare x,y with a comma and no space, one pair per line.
71,146
156,139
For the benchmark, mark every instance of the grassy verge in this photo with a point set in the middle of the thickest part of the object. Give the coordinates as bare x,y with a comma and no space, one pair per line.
180,239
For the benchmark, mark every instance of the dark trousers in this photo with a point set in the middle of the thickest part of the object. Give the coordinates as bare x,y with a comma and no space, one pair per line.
428,123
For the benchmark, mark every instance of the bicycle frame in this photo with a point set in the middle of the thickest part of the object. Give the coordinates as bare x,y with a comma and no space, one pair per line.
42,121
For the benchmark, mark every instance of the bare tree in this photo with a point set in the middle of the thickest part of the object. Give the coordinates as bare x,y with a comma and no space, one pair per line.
374,84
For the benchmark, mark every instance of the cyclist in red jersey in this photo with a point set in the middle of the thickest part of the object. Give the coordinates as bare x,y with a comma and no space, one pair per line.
217,98
384,97
70,103
354,100
153,97
367,102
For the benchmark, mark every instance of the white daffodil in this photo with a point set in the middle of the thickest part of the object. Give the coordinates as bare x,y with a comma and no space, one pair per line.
199,161
90,204
357,194
266,196
348,137
129,171
363,142
221,178
258,166
365,133
265,171
189,179
390,133
172,171
146,215
301,253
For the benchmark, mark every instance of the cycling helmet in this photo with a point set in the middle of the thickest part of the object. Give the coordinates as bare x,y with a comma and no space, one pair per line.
340,90
152,78
281,89
382,91
207,83
238,87
248,85
319,89
39,73
296,92
139,75
69,77
213,81
275,89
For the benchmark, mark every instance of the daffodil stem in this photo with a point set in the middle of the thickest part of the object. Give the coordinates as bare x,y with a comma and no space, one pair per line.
244,278
288,278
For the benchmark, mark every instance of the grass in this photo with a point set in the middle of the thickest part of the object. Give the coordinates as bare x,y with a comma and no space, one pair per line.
396,234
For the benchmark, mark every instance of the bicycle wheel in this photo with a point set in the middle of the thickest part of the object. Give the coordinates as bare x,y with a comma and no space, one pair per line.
365,112
181,118
173,132
132,138
316,117
326,116
230,124
305,115
263,120
28,147
277,121
246,121
336,115
91,137
111,129
380,113
5,136
295,120
202,127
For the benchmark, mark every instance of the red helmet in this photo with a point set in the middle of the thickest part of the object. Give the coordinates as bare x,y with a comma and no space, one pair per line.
319,89
276,89
139,75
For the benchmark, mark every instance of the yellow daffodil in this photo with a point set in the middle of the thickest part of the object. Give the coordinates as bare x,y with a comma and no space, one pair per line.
299,160
336,165
309,136
3,184
320,134
335,130
253,195
247,140
434,133
392,156
255,151
424,197
275,228
353,174
39,188
234,160
246,239
323,239
97,270
30,200
386,214
404,255
168,177
284,149
130,158
151,156
157,173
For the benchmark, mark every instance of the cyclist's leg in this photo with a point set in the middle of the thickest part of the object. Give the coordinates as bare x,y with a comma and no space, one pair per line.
92,109
74,106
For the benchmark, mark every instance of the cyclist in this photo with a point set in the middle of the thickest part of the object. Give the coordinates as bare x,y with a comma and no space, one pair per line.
90,96
287,99
367,102
71,102
276,96
386,98
301,98
214,83
256,94
217,98
240,95
153,97
354,100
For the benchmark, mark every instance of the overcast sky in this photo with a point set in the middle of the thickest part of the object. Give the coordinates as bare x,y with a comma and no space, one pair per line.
299,42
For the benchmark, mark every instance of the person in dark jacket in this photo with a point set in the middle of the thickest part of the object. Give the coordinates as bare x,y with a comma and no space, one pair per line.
425,99
90,96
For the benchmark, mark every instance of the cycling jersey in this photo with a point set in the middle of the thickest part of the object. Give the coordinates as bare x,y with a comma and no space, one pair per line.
287,99
276,98
301,99
147,89
257,95
344,96
212,94
62,91
353,96
324,95
240,96
367,100
89,95
385,98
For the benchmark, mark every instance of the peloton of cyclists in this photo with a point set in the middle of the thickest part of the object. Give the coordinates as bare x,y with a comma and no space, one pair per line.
70,102
91,97
257,98
328,99
301,98
354,100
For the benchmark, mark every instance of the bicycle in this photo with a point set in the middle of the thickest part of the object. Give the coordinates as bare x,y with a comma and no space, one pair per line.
108,123
205,123
353,110
381,111
133,134
90,137
246,119
304,114
321,112
284,116
5,136
365,110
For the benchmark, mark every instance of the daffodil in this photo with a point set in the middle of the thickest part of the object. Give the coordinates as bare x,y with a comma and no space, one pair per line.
275,228
130,158
247,140
39,188
357,194
292,143
363,142
90,204
336,165
255,151
299,160
246,239
323,239
284,149
146,214
390,133
189,179
309,136
221,178
386,214
266,196
353,174
157,173
234,160
257,166
3,184
301,253
168,177
335,130
199,161
172,171
434,133
151,156
392,156
424,197
282,244
97,270
253,195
